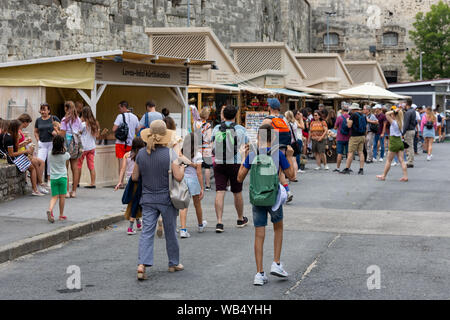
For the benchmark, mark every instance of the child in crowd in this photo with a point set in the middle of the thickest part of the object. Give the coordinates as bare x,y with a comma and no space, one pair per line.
58,177
194,180
127,168
266,196
90,129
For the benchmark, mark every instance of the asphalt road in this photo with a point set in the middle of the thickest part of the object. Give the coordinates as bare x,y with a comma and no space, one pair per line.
336,228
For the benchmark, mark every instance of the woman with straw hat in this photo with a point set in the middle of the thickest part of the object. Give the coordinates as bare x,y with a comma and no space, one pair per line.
152,166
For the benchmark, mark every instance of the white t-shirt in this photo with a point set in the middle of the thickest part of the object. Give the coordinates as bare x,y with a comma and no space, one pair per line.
87,139
190,171
132,122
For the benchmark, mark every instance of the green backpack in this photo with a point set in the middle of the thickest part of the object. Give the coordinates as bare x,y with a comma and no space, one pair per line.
263,181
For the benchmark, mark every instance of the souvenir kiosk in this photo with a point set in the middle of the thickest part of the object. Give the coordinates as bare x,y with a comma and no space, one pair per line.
101,80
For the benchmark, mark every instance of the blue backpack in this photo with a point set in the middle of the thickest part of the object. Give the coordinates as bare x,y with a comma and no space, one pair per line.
345,130
362,124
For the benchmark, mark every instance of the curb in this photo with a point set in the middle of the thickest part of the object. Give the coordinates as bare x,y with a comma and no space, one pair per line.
43,241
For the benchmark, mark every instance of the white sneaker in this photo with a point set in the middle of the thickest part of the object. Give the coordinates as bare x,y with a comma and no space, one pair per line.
290,196
381,160
428,158
202,228
317,168
394,164
277,270
37,194
260,279
42,190
327,168
300,171
184,234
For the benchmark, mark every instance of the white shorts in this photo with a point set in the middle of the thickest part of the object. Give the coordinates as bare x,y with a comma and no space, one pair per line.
44,148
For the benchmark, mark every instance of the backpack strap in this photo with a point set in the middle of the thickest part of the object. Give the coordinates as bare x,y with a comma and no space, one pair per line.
146,120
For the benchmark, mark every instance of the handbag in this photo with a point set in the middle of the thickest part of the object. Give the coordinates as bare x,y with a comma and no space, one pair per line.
179,191
295,146
22,162
75,147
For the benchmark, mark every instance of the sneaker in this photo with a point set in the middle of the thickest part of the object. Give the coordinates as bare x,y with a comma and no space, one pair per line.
394,163
317,168
242,223
336,170
361,171
300,171
260,279
42,190
131,231
381,160
277,270
327,168
345,171
203,226
138,226
37,194
369,161
184,234
207,188
290,196
410,166
50,217
219,228
428,158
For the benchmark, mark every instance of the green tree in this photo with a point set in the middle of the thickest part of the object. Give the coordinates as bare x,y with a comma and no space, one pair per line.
431,36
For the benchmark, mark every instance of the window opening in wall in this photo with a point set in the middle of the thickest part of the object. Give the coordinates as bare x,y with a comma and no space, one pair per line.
391,76
333,41
390,39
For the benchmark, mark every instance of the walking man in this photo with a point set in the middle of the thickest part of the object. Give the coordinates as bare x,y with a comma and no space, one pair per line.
379,136
342,137
372,129
283,133
228,138
357,123
409,132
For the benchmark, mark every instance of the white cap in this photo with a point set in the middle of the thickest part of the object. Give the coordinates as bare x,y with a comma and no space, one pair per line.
414,106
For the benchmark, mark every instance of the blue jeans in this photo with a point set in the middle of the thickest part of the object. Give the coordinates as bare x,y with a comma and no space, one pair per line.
375,149
297,157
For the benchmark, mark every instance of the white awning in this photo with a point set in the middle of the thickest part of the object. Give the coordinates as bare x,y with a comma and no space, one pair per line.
214,86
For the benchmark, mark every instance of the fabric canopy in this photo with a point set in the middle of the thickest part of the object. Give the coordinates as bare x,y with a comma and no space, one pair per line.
75,74
214,86
370,91
256,90
290,93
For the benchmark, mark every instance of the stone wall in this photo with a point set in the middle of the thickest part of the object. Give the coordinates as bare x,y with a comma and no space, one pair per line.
361,24
43,28
12,183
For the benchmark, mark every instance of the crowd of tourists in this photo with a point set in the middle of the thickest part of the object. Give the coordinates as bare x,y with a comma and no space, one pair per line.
160,172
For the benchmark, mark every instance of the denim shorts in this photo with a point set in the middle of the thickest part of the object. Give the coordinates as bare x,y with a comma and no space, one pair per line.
260,215
193,185
342,147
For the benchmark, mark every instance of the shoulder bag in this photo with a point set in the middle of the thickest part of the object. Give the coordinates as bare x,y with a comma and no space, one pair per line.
179,192
75,147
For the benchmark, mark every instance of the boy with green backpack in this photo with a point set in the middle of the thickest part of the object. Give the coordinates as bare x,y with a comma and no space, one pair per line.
267,196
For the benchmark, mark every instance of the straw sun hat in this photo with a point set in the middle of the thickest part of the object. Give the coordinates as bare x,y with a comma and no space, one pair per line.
157,134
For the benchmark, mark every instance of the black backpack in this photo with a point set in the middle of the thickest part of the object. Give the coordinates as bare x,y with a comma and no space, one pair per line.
122,131
429,125
373,127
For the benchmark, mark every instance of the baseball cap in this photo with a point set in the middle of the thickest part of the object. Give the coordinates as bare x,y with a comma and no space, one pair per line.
274,103
377,106
414,106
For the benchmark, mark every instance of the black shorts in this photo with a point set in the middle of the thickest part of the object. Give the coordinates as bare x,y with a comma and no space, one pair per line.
207,163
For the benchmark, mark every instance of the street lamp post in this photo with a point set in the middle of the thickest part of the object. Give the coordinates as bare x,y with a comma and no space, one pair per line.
329,14
421,65
189,13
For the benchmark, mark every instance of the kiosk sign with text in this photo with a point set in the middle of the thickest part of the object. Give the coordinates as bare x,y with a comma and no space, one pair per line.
140,73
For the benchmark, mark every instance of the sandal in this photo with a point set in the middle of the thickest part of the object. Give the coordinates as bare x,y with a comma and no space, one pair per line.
73,194
61,218
67,195
404,180
381,178
50,216
179,267
141,273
